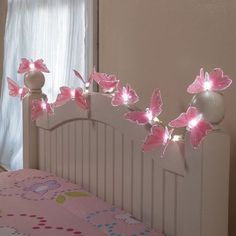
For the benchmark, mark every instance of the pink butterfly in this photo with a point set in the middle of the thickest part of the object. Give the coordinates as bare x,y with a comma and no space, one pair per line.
151,114
39,106
158,136
215,81
15,90
124,96
26,66
195,123
68,94
107,82
87,84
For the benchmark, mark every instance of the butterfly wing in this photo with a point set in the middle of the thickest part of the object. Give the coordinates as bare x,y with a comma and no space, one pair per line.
118,100
156,103
25,90
107,85
180,121
219,80
13,87
63,97
36,110
169,135
138,117
80,99
77,74
199,132
133,97
198,84
49,108
154,139
24,66
40,66
183,119
107,82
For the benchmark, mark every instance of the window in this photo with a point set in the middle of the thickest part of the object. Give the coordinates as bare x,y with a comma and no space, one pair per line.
58,31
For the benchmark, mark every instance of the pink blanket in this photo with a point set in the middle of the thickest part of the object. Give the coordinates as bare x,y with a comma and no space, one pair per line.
36,203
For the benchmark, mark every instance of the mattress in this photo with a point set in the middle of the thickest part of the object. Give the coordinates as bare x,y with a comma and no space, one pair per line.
36,203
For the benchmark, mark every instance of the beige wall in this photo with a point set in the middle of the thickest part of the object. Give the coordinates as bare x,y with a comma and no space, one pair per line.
3,10
163,43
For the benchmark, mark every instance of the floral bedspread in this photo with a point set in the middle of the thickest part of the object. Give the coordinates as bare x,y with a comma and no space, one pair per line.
36,203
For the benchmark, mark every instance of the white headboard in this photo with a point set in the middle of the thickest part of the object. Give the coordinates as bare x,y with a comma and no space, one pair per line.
183,194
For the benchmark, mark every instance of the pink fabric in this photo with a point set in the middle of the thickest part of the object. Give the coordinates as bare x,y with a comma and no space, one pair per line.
36,203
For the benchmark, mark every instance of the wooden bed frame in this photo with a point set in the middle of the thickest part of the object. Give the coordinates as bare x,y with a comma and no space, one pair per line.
183,194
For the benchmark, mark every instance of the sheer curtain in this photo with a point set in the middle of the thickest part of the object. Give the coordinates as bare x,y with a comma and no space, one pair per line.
54,30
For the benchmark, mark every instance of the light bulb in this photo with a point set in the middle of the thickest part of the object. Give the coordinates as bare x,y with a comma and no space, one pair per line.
43,105
20,91
177,138
125,97
87,84
194,122
149,114
156,120
72,93
32,66
207,83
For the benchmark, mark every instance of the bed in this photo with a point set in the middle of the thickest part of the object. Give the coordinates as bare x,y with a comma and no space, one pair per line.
117,185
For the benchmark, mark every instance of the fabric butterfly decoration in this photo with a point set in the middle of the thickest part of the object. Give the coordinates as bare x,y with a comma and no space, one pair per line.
215,81
151,113
124,96
158,136
27,65
107,82
15,90
127,218
68,94
86,84
195,123
39,106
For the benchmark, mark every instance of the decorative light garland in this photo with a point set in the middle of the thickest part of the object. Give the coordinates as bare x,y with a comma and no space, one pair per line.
159,135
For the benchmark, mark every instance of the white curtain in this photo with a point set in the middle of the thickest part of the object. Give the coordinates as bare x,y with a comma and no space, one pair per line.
54,30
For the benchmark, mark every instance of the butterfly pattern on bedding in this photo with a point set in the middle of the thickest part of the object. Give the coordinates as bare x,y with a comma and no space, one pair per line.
31,208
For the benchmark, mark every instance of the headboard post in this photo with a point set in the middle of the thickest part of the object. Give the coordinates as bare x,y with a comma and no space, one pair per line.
34,80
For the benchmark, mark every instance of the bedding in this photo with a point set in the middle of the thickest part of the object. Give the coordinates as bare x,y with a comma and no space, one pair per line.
36,203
